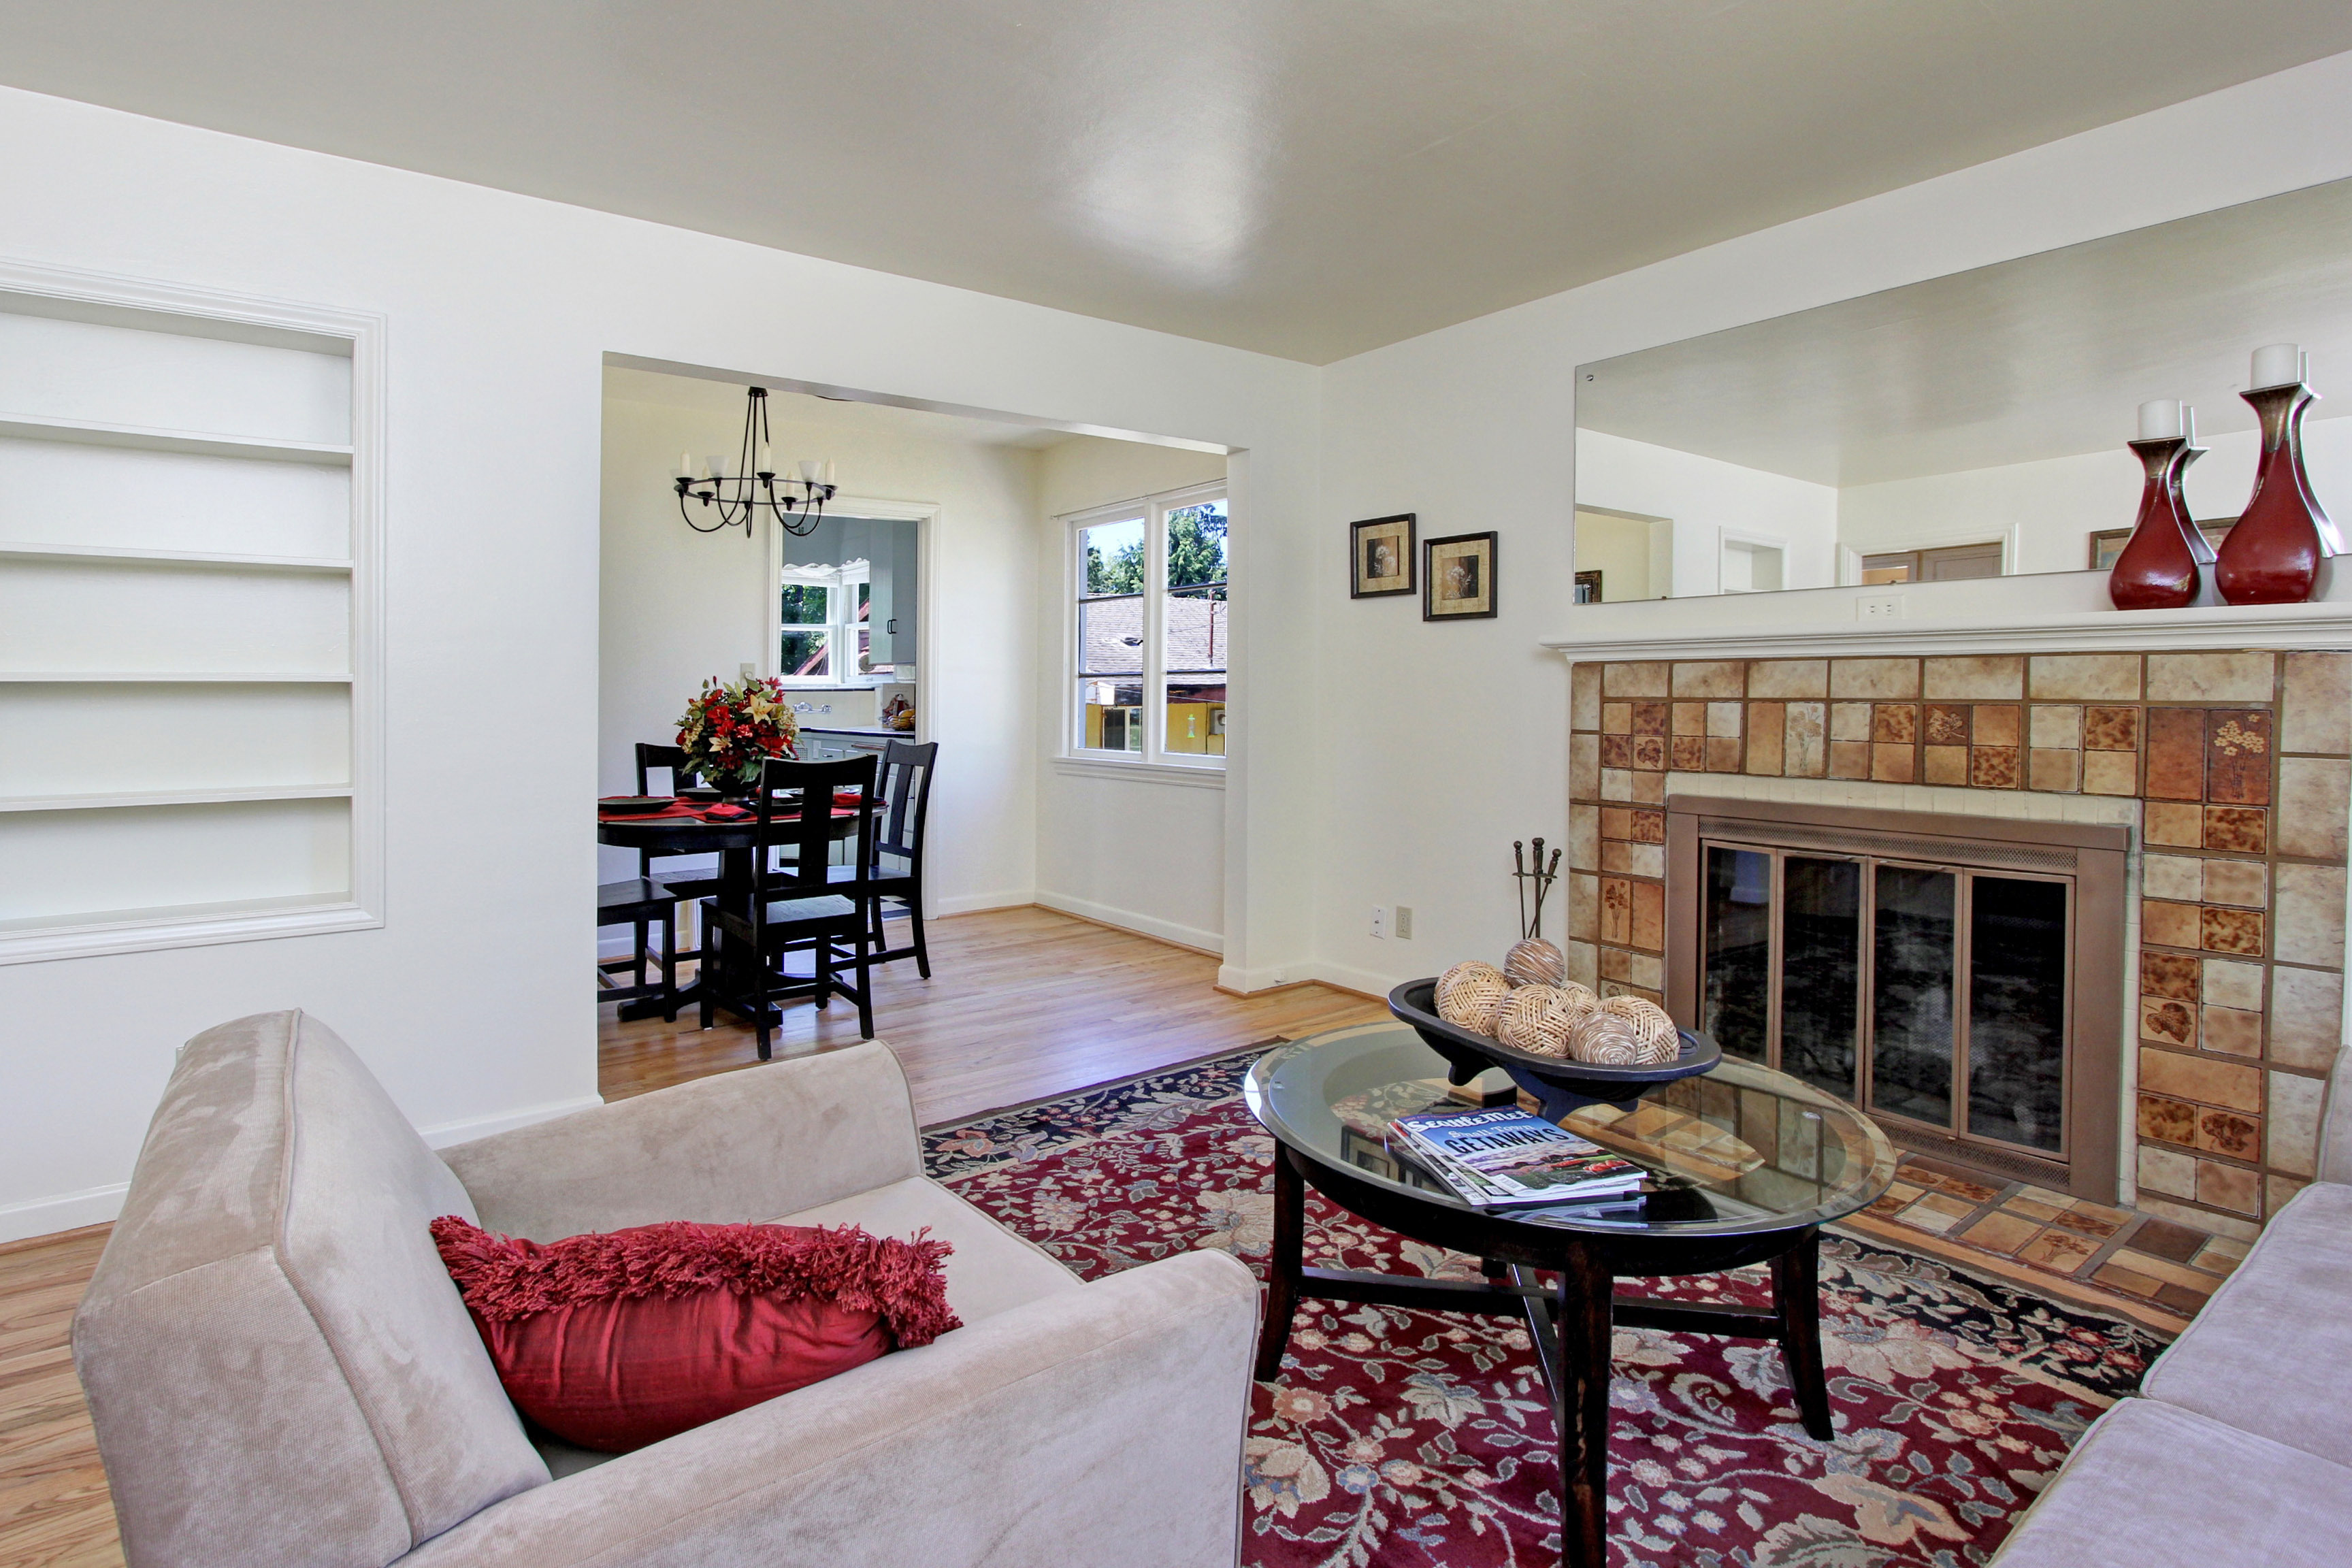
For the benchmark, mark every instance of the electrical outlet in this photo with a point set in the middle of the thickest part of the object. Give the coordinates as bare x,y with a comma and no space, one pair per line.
744,671
1404,922
1886,607
1381,922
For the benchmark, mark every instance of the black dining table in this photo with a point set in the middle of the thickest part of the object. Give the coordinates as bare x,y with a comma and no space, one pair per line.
735,841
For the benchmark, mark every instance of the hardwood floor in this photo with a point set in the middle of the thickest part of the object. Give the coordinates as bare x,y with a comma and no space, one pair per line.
1023,1005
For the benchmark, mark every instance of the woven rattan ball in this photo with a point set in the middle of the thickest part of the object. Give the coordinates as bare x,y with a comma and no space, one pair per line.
1605,1039
1653,1031
1539,1019
1470,994
1535,963
1586,1002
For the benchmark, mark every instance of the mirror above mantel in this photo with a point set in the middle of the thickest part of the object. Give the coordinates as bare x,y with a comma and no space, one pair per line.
1968,427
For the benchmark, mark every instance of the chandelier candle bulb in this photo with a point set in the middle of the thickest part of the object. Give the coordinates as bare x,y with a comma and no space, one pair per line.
2279,364
767,461
2159,420
685,466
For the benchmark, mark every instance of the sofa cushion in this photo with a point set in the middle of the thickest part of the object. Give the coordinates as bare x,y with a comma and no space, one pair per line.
2150,1486
991,1271
277,1366
2272,1351
615,1340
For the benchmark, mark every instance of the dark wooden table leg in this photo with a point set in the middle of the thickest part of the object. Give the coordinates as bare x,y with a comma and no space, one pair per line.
1582,1401
1283,1263
1797,1298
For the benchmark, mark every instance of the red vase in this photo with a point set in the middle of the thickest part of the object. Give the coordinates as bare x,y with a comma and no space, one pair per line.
2164,566
2275,552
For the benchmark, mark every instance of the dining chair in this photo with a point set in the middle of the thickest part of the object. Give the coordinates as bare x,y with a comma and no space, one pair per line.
796,904
904,810
648,899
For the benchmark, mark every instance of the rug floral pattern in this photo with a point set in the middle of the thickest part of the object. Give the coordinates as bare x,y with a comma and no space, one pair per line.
1406,1439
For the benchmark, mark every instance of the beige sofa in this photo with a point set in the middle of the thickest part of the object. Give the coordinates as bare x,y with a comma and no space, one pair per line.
280,1372
2239,1449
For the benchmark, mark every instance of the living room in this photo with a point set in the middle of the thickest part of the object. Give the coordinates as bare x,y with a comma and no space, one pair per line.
1253,312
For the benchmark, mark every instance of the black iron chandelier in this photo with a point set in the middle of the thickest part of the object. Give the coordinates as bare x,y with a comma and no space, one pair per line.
739,491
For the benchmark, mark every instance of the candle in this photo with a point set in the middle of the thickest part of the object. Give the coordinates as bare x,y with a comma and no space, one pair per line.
2188,423
2277,365
767,461
685,466
828,470
2159,420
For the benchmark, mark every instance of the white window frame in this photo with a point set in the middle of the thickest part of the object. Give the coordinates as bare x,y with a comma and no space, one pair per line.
1154,510
841,631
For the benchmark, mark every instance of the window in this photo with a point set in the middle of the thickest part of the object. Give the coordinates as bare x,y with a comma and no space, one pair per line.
825,637
1149,583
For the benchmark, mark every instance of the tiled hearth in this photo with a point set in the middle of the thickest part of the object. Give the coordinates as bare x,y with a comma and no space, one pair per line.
2233,767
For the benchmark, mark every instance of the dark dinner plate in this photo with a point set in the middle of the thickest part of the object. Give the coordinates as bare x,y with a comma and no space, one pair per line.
634,805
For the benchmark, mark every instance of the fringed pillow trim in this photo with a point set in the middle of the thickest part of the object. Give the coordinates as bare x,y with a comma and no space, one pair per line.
506,1277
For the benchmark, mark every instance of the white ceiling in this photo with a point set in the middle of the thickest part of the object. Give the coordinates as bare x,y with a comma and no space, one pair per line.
722,403
2044,356
1311,178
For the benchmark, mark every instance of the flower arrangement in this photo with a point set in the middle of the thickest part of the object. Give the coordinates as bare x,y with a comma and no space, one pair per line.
728,732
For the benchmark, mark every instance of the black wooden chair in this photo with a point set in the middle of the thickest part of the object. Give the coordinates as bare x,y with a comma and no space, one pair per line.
896,873
648,899
796,905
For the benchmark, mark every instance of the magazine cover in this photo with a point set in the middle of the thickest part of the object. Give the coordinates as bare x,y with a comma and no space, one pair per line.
1522,1156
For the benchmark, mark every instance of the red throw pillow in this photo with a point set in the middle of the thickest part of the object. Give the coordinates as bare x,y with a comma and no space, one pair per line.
617,1341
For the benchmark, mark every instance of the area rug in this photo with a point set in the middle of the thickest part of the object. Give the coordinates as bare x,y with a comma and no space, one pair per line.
1404,1439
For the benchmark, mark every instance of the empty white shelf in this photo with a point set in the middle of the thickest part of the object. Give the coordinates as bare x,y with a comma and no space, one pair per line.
35,428
89,677
172,797
172,557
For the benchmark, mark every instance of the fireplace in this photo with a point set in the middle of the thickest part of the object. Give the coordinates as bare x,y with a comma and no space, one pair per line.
1959,978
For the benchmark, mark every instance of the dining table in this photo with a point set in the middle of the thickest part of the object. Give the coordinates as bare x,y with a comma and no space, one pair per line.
688,827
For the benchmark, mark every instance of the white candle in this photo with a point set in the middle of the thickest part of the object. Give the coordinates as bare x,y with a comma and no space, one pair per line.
685,466
2159,420
2277,365
2188,423
828,470
767,461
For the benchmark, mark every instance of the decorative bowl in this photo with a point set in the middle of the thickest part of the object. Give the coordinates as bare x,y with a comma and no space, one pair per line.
1560,1084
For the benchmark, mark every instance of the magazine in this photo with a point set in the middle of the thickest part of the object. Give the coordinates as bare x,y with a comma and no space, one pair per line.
1507,1156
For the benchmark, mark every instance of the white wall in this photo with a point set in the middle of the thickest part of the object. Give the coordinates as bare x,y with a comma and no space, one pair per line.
680,606
1442,743
1704,497
1123,847
474,1002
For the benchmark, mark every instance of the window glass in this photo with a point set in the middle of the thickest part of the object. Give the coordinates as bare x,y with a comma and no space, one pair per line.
1151,631
807,653
1194,631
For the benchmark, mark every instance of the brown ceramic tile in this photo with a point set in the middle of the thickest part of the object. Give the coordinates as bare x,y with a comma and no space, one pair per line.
1583,907
2210,678
1998,1232
2086,677
2201,1079
1849,721
1723,753
1895,723
2168,1022
2306,1016
1948,724
1643,680
2232,1031
1997,725
1649,787
1945,765
1688,753
2166,1171
2053,772
1584,766
2162,1239
1584,697
1633,859
1849,758
1617,784
2058,1250
1617,822
2168,924
2228,1133
1710,678
2168,1121
1690,719
2054,727
2314,801
1650,754
2176,877
1616,717
1893,763
2169,975
2278,1189
1767,737
1804,754
1649,827
2309,900
1895,679
2232,930
1788,677
1650,718
1616,909
2116,1276
1583,836
1993,767
1723,719
1649,922
2185,1299
2110,772
2315,703
2238,757
2231,1187
1995,678
2033,1208
2111,728
1616,751
2244,883
1951,1185
2242,829
2176,754
2227,983
2088,1222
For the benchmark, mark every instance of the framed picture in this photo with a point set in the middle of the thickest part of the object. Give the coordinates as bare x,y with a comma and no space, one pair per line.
2109,542
1457,578
1380,557
1588,587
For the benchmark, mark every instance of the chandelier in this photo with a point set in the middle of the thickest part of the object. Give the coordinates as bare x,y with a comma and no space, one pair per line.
738,490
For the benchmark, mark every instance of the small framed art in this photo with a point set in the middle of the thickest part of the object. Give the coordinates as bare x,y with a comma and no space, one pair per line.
1458,577
1588,587
1381,556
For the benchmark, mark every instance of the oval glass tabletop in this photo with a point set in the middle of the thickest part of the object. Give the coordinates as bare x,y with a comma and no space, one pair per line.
1739,1149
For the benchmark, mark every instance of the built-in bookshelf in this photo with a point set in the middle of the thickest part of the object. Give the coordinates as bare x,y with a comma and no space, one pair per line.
188,638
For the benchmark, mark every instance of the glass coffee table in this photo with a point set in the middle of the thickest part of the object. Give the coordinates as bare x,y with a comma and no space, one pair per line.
1745,1165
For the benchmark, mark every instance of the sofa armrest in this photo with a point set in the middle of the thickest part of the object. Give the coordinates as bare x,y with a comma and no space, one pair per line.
742,1146
2335,1130
1103,1425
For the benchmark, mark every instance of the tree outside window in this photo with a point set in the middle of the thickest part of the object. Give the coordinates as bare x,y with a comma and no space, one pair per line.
1151,581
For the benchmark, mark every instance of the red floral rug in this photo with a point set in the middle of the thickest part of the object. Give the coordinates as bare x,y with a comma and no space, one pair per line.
1407,1440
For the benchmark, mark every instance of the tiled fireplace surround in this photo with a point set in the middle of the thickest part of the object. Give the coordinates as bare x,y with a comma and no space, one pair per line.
2233,770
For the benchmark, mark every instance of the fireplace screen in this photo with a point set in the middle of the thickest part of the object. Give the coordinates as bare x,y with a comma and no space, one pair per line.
1917,976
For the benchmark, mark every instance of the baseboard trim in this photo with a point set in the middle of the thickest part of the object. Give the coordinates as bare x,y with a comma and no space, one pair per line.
972,903
451,1132
1190,938
64,1211
1360,982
